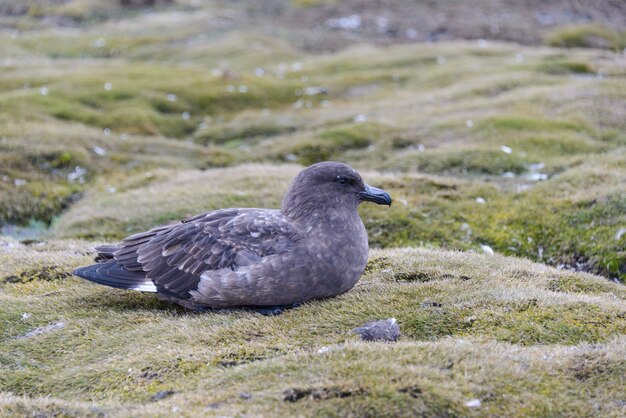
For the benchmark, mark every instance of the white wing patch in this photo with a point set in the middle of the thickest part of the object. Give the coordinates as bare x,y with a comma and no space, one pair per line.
146,286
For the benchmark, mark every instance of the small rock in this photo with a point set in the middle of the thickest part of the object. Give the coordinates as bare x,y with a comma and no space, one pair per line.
245,395
382,330
43,330
78,175
100,151
411,33
487,249
99,43
382,23
536,166
314,91
161,395
352,22
473,403
536,176
505,149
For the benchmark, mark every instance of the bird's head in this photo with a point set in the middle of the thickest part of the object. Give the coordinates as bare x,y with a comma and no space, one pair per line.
328,185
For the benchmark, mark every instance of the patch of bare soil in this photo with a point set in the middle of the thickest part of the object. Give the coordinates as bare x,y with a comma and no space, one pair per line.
323,25
334,26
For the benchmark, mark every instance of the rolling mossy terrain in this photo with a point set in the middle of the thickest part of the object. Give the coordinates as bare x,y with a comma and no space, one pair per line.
115,118
523,338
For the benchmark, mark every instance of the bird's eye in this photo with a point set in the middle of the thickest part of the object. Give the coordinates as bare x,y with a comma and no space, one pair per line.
344,180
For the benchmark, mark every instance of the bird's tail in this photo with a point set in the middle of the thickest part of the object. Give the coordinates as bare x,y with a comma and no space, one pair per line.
110,273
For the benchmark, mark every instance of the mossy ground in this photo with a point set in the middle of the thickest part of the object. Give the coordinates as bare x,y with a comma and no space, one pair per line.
523,338
126,119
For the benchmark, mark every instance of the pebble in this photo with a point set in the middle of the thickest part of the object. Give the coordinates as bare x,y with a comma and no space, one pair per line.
487,249
161,395
382,330
473,403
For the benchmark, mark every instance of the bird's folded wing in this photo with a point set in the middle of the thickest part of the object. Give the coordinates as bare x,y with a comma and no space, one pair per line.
175,256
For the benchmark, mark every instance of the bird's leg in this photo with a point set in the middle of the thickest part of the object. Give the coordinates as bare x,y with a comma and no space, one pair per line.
272,310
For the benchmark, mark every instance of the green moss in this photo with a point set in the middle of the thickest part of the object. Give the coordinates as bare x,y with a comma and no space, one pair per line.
531,323
558,66
377,265
313,3
434,322
221,134
583,234
331,143
576,284
542,147
516,123
503,330
218,157
472,161
448,352
38,200
132,116
587,36
46,273
358,135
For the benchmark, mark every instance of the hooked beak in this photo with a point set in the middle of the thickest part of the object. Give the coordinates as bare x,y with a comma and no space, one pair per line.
373,194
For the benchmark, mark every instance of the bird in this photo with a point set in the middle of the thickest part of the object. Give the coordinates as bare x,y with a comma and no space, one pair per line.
314,247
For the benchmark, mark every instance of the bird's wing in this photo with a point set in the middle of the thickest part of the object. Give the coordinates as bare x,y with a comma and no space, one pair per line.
175,256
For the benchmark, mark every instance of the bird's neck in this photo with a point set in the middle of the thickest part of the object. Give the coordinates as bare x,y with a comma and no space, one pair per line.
337,224
319,212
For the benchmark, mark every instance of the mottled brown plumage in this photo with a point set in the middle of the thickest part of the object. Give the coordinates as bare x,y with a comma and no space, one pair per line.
314,247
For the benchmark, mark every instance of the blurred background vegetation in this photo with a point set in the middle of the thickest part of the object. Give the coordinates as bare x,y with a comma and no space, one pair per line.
497,126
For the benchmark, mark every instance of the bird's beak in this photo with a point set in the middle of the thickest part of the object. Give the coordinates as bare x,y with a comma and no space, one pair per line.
373,194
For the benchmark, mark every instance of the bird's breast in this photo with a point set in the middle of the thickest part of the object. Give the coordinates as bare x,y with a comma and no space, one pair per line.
340,254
